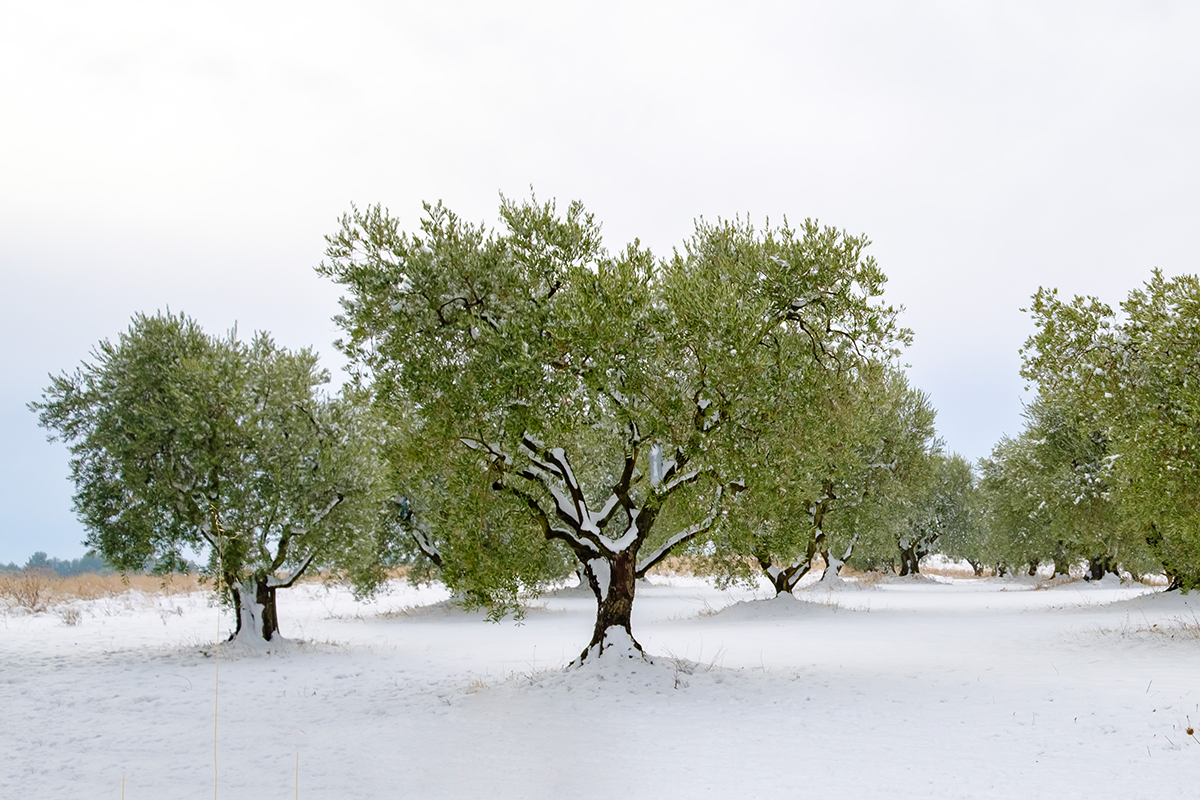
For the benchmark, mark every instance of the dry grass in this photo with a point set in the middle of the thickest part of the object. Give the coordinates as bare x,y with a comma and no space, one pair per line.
40,590
687,566
863,577
951,570
1179,627
1185,628
28,589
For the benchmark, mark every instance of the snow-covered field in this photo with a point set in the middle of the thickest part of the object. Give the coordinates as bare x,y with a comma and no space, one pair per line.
908,688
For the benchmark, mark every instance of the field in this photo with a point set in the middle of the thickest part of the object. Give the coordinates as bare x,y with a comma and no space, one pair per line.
926,687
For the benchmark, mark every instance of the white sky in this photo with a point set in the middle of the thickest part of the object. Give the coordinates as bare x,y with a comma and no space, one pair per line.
193,155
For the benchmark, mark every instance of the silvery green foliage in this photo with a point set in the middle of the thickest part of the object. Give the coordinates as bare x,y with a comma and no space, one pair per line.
843,455
448,524
183,442
939,514
564,368
1135,378
1047,497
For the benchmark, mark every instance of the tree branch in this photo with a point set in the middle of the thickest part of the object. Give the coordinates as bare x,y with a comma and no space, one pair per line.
425,545
619,498
275,583
684,535
583,547
284,540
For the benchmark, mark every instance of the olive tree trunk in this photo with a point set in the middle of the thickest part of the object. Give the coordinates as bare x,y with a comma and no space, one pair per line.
257,617
613,581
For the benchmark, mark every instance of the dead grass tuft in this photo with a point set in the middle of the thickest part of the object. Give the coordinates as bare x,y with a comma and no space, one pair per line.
1186,628
1178,628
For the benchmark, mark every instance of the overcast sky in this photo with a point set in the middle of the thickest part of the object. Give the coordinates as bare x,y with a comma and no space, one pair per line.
194,155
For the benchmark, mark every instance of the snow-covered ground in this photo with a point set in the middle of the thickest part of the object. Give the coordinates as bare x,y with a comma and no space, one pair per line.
908,688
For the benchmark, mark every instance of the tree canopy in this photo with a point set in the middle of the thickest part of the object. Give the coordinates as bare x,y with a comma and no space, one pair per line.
182,442
614,396
1136,379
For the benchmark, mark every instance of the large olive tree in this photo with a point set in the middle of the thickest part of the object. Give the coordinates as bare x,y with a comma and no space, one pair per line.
608,393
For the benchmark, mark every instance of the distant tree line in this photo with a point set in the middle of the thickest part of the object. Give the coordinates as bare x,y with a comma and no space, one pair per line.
90,563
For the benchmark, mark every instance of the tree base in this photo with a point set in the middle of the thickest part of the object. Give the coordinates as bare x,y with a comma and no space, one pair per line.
615,645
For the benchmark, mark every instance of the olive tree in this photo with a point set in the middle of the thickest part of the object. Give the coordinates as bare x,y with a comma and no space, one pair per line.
838,463
941,507
1048,497
606,393
1135,377
182,442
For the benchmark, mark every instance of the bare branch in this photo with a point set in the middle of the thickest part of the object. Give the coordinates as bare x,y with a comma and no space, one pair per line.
275,583
425,544
582,546
619,498
338,498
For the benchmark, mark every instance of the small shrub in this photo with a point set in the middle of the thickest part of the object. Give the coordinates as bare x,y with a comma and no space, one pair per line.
71,616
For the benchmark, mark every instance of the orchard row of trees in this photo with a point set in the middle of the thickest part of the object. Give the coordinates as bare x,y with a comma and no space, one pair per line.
525,404
1106,469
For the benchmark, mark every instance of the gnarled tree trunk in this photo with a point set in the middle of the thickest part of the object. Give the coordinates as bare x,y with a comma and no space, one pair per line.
614,582
910,561
785,579
1098,566
609,560
257,619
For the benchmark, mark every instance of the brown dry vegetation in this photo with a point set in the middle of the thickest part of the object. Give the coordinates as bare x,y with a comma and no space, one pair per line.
700,566
680,565
951,570
40,590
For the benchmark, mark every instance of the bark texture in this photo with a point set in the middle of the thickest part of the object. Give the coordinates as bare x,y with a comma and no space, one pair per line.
614,603
910,561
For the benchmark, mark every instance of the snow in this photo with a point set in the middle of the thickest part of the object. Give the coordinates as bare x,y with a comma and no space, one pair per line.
251,612
602,573
906,688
